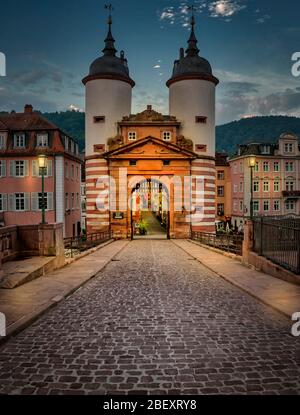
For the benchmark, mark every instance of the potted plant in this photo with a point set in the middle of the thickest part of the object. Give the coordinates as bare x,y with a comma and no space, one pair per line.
143,227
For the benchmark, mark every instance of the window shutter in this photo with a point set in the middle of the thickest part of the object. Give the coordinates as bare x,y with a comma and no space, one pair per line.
26,164
15,141
4,202
12,168
27,201
4,168
49,201
11,202
49,168
34,201
34,168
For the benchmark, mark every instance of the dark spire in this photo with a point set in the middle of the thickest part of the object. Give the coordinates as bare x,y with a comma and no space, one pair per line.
109,49
192,49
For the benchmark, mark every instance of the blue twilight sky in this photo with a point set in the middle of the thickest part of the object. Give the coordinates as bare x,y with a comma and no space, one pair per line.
49,46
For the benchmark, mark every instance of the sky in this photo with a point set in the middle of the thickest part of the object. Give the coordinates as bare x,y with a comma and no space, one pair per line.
49,46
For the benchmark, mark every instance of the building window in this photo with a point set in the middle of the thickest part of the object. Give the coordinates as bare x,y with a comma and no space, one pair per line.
40,201
235,168
235,205
20,201
132,135
290,205
276,205
221,209
241,187
221,175
72,201
19,141
77,172
66,143
266,187
235,188
290,186
167,135
256,206
276,166
2,141
99,119
166,163
3,202
221,191
289,166
266,166
288,148
67,201
256,186
72,171
266,205
2,168
201,119
42,140
77,200
241,206
256,168
276,186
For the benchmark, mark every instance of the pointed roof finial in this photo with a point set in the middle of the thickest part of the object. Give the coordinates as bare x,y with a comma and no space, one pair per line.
109,49
192,49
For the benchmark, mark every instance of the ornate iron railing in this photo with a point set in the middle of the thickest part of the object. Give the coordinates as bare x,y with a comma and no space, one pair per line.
278,239
229,243
77,245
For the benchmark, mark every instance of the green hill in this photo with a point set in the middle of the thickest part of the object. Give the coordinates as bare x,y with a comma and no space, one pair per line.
229,136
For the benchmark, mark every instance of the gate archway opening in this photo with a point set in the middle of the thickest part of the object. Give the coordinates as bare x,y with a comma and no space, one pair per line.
150,210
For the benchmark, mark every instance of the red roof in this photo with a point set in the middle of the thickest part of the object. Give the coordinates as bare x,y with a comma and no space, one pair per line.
26,121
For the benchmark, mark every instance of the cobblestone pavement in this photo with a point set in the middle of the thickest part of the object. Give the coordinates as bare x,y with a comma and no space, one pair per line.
154,321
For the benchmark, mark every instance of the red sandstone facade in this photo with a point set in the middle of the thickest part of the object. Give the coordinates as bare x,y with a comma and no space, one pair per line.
24,136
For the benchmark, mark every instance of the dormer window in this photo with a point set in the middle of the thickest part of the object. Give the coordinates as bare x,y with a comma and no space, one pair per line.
19,140
167,135
132,135
288,148
265,149
42,140
2,141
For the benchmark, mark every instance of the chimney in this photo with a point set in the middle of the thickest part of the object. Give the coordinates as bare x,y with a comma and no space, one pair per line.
28,109
149,107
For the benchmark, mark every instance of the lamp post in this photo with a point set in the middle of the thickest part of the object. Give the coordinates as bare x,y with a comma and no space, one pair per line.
252,164
42,161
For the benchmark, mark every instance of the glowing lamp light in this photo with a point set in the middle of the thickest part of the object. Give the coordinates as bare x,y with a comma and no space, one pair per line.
42,161
252,161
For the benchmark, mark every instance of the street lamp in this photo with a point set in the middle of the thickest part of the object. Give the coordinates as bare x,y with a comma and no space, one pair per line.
252,164
42,160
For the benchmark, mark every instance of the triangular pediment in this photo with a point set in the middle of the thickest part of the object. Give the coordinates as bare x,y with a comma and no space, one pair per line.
150,148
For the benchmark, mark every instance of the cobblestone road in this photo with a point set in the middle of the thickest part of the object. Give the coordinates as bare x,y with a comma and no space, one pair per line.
154,321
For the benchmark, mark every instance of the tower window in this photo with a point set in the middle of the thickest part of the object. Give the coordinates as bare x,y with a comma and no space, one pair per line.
132,162
99,119
201,119
166,162
167,135
201,148
132,135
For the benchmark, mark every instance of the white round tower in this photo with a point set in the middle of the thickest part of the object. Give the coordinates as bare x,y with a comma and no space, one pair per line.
108,96
192,97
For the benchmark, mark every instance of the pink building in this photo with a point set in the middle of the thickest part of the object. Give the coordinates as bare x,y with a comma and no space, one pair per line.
276,179
23,137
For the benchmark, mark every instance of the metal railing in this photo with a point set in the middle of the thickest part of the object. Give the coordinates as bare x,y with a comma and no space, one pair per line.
229,243
77,245
278,239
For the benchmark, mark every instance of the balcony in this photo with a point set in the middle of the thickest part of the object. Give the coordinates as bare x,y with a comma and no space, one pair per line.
291,194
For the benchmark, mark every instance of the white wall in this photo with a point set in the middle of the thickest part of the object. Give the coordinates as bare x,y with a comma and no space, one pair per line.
191,98
110,98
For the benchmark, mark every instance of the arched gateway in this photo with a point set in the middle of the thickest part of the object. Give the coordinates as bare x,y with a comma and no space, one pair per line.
175,151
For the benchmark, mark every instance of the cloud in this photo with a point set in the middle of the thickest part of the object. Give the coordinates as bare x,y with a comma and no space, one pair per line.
225,8
156,67
263,19
242,88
